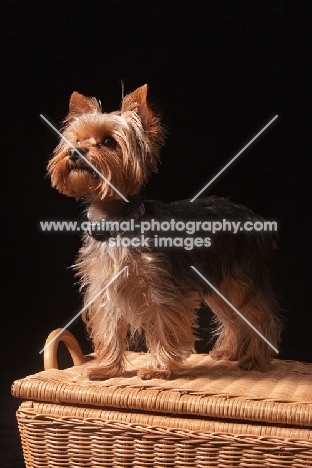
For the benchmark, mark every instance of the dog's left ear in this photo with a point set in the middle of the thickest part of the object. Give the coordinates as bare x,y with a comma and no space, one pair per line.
137,102
80,104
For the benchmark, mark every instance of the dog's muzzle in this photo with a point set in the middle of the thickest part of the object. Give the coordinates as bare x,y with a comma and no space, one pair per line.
74,153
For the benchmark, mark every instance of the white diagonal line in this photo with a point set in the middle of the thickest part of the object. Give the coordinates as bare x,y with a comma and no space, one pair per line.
84,308
235,310
233,159
84,158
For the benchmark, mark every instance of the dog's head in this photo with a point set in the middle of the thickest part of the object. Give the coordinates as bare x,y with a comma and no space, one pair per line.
101,152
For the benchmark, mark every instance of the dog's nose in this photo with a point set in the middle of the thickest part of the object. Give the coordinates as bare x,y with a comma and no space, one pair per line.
75,152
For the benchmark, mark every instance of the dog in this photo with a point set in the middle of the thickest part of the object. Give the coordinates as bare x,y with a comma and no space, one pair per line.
135,286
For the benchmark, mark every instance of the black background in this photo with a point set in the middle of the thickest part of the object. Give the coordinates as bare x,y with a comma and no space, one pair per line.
219,71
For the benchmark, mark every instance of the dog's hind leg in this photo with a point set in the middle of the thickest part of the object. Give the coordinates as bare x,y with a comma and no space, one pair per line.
258,353
236,339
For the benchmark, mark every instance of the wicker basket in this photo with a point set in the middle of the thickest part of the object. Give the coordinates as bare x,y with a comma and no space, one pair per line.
212,414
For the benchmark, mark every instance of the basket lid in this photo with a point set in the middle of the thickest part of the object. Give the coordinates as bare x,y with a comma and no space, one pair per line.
203,387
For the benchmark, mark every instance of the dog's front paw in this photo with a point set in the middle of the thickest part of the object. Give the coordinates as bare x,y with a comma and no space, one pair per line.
148,373
253,363
222,354
102,373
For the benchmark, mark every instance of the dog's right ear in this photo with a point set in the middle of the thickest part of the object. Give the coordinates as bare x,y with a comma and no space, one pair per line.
79,104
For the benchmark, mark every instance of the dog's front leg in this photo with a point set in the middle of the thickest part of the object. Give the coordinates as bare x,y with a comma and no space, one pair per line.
110,345
169,337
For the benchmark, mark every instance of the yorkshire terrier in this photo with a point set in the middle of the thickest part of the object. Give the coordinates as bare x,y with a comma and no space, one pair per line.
158,294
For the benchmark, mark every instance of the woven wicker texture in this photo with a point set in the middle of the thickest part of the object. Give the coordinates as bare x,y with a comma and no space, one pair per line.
99,438
202,388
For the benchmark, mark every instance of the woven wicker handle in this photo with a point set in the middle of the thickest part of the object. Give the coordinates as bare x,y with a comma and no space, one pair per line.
51,345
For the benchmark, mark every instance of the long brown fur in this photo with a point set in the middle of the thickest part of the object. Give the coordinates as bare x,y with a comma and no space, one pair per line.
156,295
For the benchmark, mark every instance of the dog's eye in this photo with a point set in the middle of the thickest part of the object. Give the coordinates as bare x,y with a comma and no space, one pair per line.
77,142
109,142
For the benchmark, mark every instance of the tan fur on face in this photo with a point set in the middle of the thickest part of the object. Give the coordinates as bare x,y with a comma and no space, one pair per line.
137,132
